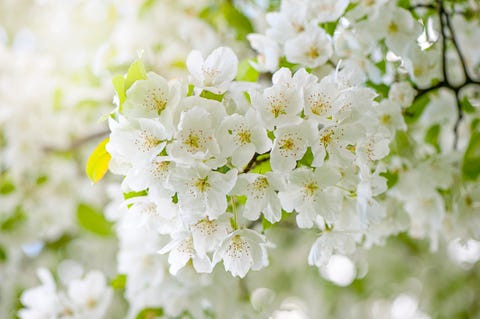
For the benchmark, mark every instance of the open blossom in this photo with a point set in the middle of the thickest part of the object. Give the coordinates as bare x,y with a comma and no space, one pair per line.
90,296
261,192
329,243
216,72
311,48
281,103
87,297
321,100
290,145
207,234
312,195
152,98
268,52
242,250
288,22
203,191
197,137
182,251
136,141
242,137
327,10
41,301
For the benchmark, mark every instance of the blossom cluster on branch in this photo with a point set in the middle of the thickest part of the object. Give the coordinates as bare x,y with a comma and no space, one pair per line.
350,124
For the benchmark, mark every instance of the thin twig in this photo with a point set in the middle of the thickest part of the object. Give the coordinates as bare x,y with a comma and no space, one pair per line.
77,143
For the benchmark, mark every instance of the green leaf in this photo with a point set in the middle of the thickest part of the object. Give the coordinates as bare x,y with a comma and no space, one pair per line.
284,63
404,4
191,88
97,164
118,283
413,113
474,124
3,255
307,158
150,313
175,198
392,178
146,6
118,82
382,66
12,221
57,102
402,145
6,186
246,72
226,14
432,135
212,96
136,72
266,224
381,88
329,27
237,21
262,167
466,106
471,159
135,194
93,220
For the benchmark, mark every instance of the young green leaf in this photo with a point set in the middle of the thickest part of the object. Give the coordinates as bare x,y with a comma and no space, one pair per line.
97,164
246,72
119,282
471,159
93,221
150,313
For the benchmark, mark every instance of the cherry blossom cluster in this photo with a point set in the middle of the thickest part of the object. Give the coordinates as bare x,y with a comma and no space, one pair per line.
81,297
213,157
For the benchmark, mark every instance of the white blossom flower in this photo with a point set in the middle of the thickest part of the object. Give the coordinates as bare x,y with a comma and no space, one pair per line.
338,142
215,72
311,48
136,141
207,234
321,100
312,195
196,138
423,66
243,136
261,192
290,145
42,301
153,175
182,251
268,52
281,103
242,250
90,296
329,243
327,10
203,191
390,116
288,22
152,98
402,93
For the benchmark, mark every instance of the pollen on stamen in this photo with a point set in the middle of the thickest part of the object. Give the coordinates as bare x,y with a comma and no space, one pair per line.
202,184
238,247
277,105
258,187
310,188
155,101
146,141
244,137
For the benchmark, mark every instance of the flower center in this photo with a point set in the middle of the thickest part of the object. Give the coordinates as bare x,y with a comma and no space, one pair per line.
202,184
